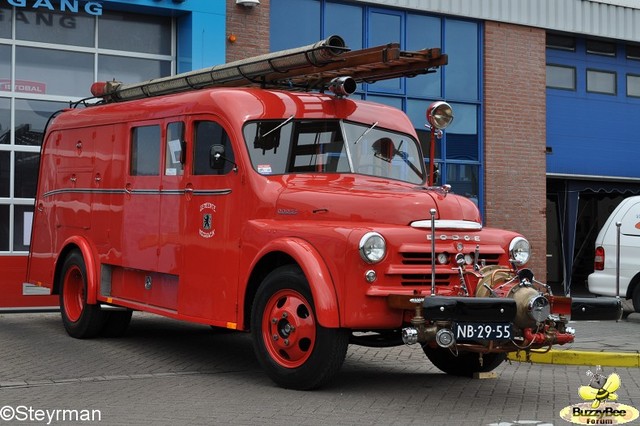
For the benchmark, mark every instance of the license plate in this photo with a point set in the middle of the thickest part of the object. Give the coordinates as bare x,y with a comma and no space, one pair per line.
482,331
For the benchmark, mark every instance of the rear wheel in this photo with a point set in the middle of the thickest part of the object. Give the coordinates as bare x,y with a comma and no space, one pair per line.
294,350
465,364
80,319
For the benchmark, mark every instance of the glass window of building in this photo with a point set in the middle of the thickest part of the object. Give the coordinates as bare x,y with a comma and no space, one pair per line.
31,118
633,85
68,73
287,33
5,121
5,177
6,21
4,227
129,70
461,73
385,27
138,33
599,47
561,42
26,174
464,179
561,77
5,67
346,21
601,82
462,134
424,32
23,218
633,51
49,26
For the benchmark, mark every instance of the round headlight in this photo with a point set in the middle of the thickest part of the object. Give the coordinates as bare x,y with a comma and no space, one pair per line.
439,114
519,251
372,247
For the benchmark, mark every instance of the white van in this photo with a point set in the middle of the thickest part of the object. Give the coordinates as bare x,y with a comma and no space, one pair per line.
603,280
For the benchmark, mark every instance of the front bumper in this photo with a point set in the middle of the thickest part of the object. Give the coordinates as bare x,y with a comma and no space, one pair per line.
435,317
469,309
596,309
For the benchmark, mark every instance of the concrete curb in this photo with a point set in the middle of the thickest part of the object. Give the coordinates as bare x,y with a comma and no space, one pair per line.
568,357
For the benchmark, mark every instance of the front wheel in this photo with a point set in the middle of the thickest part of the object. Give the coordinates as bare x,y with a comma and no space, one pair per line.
294,350
465,364
80,319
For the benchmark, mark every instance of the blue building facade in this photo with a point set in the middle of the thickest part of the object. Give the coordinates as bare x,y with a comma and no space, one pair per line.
593,143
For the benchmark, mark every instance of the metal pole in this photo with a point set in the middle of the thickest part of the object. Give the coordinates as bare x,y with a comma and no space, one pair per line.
433,251
432,158
618,224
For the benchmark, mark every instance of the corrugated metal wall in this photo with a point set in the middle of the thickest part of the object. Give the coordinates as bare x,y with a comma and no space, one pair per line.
593,18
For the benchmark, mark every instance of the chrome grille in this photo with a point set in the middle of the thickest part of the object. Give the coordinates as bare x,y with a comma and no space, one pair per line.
415,258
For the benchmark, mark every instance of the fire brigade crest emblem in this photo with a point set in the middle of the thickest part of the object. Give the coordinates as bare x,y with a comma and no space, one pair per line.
206,225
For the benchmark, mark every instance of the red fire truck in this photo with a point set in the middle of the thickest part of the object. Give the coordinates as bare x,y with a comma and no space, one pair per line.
258,196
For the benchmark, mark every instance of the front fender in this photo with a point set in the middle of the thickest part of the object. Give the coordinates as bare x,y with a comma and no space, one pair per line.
315,270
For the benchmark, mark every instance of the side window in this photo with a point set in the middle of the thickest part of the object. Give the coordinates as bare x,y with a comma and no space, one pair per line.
174,156
145,151
631,221
207,135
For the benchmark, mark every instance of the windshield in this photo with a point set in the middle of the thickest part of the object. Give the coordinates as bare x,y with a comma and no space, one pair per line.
332,146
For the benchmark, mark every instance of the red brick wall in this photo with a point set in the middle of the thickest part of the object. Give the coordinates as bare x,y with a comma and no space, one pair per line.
515,134
250,27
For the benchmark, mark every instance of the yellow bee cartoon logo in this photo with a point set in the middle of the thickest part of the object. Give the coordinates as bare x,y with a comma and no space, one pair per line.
601,388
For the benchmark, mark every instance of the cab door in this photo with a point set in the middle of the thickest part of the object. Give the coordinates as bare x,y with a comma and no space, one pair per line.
151,239
213,217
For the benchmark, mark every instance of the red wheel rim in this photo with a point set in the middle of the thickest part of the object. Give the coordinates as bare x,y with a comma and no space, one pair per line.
73,293
289,328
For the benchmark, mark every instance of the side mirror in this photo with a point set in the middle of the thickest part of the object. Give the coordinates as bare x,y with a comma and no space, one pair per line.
216,157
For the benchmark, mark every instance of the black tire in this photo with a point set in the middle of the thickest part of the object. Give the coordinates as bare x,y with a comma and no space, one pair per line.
636,298
303,355
81,320
466,364
117,323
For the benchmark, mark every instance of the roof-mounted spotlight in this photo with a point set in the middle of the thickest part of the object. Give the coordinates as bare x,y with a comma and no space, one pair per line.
248,3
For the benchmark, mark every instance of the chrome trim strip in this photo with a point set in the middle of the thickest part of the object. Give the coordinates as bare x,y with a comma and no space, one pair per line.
198,192
448,224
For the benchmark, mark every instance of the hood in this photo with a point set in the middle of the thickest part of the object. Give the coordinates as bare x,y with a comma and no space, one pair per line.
368,199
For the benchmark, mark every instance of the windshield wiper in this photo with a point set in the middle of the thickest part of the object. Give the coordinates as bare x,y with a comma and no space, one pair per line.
277,127
365,132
